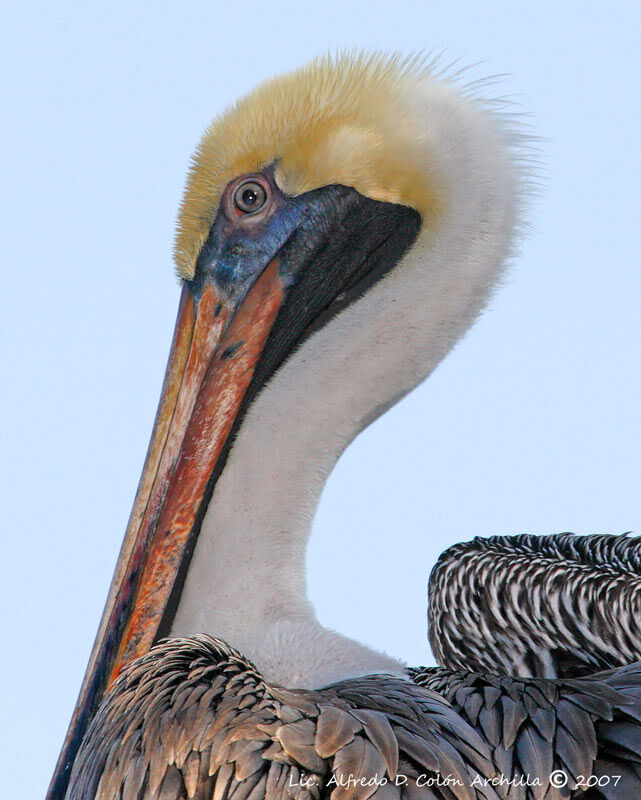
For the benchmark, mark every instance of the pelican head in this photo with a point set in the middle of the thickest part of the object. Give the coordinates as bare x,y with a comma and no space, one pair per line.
342,226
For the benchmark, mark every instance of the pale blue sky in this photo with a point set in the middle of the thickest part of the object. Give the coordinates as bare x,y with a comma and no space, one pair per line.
533,424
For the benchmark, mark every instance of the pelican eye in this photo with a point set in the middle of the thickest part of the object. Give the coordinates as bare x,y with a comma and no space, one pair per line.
250,197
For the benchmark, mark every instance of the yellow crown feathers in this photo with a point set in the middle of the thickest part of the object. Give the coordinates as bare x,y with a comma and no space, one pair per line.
345,120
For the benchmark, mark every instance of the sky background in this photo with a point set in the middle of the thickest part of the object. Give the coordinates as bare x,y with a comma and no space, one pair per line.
533,424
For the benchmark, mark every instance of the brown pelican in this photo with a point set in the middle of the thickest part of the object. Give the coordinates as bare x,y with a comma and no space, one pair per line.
341,229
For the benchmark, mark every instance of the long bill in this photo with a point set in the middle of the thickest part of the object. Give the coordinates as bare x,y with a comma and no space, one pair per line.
215,349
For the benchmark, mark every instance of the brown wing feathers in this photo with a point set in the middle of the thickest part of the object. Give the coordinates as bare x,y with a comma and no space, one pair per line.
588,726
193,720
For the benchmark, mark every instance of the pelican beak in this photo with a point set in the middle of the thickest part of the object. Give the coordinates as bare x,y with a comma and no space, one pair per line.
215,350
233,330
216,345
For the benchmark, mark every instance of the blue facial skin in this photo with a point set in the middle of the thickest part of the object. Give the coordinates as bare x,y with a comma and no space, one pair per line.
235,254
242,256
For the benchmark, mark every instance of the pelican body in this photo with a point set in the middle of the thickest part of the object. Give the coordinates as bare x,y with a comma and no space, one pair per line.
342,227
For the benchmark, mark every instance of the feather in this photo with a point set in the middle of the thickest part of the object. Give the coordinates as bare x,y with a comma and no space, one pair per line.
334,730
172,785
194,720
297,739
379,731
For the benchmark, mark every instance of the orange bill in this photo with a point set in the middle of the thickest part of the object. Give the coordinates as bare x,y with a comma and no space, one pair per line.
215,349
